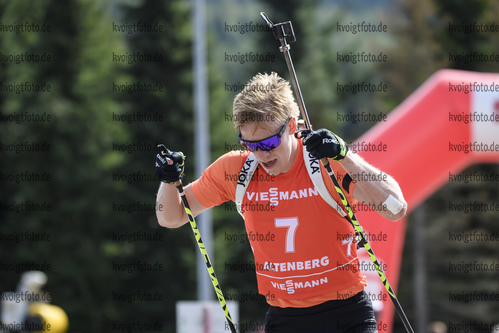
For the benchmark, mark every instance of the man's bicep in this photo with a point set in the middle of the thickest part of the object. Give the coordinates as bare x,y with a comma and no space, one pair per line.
196,206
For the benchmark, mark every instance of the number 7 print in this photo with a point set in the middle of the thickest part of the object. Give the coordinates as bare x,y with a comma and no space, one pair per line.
291,223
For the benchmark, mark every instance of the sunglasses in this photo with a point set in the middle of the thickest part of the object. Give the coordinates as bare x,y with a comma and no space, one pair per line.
266,144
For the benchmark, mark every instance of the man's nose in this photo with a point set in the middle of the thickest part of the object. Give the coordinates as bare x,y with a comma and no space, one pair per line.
261,154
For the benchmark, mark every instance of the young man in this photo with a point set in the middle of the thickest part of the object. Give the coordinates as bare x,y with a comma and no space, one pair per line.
311,273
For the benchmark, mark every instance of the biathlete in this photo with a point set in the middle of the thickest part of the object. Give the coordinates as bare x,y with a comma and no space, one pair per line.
311,267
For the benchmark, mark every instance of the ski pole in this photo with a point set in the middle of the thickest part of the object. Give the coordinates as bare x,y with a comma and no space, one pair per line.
218,290
284,33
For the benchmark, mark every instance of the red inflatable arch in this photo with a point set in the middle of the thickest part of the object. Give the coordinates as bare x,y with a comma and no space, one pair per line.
441,129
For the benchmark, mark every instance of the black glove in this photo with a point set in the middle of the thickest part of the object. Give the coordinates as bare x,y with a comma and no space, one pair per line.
169,173
323,143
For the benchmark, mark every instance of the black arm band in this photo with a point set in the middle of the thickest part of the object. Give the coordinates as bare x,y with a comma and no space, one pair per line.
347,180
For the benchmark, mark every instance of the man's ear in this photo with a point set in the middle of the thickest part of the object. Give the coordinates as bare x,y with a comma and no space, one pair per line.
292,126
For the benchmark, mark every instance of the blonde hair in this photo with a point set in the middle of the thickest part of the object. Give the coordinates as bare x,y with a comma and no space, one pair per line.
265,98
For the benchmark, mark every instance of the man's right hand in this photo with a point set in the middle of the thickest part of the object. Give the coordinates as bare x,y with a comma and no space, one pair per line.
169,165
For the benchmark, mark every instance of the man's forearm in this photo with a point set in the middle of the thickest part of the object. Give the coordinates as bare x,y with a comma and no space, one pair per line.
375,187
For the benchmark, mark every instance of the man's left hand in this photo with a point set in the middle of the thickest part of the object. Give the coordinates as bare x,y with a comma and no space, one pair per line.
323,143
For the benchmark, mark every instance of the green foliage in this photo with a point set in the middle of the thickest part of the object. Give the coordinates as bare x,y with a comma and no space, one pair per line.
84,222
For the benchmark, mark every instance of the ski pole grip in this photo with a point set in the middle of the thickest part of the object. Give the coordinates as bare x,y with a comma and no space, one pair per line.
266,19
324,161
281,31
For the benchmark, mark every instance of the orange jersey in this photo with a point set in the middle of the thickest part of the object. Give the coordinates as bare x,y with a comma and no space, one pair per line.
312,254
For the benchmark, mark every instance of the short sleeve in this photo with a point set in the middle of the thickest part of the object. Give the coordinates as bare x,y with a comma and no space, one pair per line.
218,182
